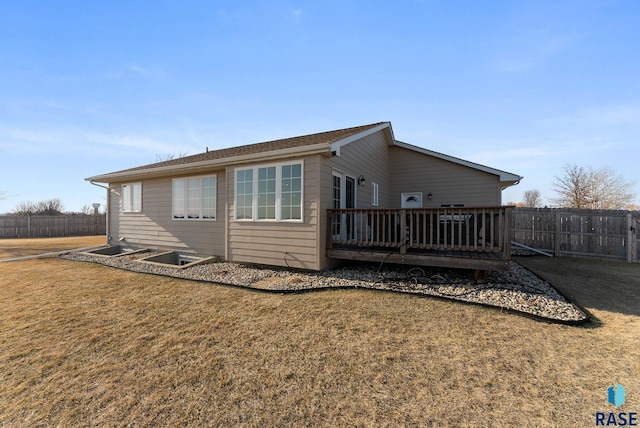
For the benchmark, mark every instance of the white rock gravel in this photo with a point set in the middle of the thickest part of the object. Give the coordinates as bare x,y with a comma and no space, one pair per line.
517,289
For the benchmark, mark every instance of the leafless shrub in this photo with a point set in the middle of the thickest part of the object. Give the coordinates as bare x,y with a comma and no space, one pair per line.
532,198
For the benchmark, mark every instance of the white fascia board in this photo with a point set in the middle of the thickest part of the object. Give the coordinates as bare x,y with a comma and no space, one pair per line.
506,178
335,146
208,165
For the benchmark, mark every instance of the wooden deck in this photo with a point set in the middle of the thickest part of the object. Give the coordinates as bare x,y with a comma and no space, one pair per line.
466,238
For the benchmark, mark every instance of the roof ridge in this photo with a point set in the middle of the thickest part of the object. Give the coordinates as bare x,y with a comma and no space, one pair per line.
314,134
326,137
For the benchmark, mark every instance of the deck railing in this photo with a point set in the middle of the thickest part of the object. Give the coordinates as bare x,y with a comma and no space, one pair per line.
486,229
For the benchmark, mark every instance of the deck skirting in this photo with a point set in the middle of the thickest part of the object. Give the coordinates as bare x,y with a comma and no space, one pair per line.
449,259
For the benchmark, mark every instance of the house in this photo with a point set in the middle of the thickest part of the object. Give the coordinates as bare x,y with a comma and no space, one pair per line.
310,201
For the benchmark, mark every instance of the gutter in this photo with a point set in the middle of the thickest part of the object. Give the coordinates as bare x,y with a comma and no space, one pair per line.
108,210
193,167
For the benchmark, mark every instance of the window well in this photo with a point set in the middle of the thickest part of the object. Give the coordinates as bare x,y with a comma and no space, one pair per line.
115,251
176,260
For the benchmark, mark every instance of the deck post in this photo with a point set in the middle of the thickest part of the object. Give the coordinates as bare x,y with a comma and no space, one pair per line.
481,275
329,232
630,238
403,232
508,227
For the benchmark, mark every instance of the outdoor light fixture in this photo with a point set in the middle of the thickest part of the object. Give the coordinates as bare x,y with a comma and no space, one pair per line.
430,196
361,180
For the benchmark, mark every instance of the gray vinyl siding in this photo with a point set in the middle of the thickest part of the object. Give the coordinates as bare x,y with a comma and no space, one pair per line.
448,182
367,157
277,243
155,228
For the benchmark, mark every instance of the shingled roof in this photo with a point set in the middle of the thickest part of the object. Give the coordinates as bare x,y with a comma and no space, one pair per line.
319,139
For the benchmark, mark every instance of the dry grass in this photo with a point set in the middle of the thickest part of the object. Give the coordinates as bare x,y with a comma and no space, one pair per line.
87,345
10,248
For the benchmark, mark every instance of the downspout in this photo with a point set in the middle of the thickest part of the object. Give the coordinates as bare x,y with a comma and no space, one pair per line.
108,210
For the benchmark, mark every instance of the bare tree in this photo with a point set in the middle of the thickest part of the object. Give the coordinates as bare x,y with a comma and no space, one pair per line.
48,207
581,187
25,208
532,198
170,156
3,194
92,209
86,209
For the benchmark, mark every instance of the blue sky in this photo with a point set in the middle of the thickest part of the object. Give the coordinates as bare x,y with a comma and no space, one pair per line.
525,86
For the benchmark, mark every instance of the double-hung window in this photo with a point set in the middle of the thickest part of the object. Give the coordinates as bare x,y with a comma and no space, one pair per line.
132,198
271,192
194,198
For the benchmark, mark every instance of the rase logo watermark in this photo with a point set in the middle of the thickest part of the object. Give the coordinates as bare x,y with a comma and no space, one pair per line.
615,397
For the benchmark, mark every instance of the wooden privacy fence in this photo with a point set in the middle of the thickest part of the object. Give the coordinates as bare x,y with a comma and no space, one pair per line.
25,226
577,232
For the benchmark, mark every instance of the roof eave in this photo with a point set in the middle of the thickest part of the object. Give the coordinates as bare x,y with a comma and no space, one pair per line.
196,167
509,183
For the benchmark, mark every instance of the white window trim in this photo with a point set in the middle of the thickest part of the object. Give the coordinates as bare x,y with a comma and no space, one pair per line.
340,176
375,194
186,198
131,202
254,205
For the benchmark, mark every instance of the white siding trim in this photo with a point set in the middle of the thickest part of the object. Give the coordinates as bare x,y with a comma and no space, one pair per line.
336,146
375,194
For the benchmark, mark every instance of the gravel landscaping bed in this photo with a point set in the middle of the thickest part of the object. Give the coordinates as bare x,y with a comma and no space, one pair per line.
517,289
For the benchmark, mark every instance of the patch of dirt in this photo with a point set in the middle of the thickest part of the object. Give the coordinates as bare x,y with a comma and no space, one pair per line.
267,283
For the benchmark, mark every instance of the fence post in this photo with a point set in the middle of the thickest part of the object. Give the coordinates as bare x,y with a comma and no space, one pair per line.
329,234
558,235
28,226
630,238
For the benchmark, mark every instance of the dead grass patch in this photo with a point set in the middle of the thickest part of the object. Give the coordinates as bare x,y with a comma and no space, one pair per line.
12,248
87,345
